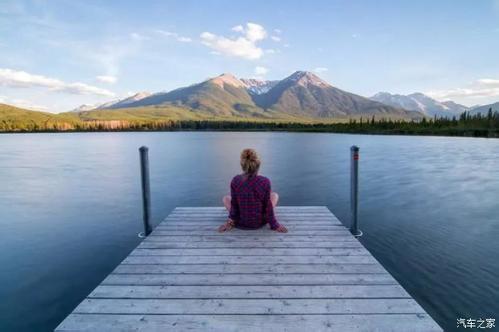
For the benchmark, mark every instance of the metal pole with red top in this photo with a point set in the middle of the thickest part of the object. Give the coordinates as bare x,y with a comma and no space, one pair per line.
354,190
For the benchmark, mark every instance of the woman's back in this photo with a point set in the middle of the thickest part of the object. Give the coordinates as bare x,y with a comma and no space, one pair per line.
251,201
251,206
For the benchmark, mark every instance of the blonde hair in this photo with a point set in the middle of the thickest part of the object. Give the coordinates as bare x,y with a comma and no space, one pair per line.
250,162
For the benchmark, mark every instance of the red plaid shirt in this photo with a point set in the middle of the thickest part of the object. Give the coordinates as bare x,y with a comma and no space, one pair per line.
251,206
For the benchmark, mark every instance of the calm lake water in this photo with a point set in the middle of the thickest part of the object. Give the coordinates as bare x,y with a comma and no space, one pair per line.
70,209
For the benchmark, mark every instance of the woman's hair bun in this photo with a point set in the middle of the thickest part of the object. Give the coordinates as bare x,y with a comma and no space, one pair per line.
250,162
249,154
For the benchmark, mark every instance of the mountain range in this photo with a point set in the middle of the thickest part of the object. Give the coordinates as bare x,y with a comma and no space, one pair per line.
421,103
114,104
227,101
302,95
485,108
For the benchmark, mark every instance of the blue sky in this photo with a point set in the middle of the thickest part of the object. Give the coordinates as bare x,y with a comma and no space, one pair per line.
56,55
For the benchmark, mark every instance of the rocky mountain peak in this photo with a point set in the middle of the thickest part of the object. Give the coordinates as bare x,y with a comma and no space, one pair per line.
306,78
420,102
139,95
227,78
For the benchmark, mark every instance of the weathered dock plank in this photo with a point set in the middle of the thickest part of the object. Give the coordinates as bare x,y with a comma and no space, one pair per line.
248,259
250,292
255,306
186,276
250,279
250,252
251,268
249,322
278,238
247,244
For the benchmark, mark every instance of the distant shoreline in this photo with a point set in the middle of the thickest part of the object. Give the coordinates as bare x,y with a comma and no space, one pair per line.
467,125
445,133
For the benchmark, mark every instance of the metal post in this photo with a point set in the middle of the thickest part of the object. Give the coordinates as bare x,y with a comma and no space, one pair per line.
146,190
354,190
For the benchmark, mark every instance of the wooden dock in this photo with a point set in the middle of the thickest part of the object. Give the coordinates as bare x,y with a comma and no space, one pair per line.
186,276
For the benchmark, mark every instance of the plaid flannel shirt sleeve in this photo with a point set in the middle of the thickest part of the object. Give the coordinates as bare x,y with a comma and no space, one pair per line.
268,208
234,205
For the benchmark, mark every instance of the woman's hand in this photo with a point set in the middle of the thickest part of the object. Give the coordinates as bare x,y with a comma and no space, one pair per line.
229,224
281,229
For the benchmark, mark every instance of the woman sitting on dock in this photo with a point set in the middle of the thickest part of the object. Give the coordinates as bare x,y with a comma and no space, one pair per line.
251,202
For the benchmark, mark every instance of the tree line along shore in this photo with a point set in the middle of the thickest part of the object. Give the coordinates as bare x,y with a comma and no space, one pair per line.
467,124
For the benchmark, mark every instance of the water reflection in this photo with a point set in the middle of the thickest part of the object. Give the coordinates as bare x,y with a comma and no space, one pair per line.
70,208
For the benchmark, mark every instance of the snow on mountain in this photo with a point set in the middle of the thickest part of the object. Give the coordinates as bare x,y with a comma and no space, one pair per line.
84,107
126,101
117,103
455,107
420,102
303,78
258,87
484,109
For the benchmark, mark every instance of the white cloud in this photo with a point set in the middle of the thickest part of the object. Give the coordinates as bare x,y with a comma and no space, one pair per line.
107,79
84,89
138,36
244,46
321,69
277,31
22,79
108,55
481,88
255,32
488,81
238,28
14,78
175,36
261,71
275,38
184,39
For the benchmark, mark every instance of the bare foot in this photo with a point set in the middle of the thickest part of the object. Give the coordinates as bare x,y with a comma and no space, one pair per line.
281,229
229,224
